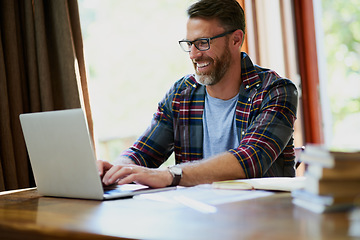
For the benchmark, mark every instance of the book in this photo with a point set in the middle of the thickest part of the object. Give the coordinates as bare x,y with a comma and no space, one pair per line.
343,172
322,203
327,200
332,187
354,229
355,214
354,222
268,183
320,208
332,179
319,154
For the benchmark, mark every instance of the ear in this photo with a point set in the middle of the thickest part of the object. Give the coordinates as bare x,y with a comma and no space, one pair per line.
238,38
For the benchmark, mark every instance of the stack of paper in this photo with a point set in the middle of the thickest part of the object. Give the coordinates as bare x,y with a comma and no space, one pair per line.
332,179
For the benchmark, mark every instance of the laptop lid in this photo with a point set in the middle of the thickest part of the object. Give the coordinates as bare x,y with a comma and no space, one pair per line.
61,154
62,157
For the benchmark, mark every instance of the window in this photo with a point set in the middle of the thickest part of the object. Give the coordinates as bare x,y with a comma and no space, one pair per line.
271,42
133,57
340,43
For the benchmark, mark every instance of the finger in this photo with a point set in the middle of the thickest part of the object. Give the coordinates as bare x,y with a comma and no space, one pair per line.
128,179
117,172
109,174
116,175
103,166
99,165
154,178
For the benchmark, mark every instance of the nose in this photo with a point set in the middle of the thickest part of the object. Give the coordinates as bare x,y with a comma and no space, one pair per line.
194,52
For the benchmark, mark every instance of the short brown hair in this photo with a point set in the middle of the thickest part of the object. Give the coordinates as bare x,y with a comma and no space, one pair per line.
228,12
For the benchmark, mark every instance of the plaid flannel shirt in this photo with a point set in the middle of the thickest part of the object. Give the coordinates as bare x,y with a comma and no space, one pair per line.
265,116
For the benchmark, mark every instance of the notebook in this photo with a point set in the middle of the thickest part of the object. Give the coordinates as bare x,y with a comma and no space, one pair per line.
63,160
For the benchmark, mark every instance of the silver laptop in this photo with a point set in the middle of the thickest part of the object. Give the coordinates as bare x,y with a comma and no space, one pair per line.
63,160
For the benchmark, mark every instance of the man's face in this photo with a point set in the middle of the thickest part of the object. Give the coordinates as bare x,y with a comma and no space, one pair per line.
210,65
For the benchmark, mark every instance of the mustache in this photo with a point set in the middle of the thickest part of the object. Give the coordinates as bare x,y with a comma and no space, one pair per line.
201,59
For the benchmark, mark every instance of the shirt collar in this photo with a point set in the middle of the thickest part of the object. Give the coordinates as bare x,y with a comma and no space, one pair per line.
249,75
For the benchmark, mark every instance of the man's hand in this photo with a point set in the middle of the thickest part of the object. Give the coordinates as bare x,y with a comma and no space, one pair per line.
128,173
103,167
217,168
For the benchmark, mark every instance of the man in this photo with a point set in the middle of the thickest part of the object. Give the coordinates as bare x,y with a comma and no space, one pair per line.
229,120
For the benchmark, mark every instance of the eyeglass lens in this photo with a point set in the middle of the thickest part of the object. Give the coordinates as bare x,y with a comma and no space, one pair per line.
200,44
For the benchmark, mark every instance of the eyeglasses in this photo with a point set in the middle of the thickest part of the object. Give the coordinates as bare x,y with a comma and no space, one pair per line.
202,44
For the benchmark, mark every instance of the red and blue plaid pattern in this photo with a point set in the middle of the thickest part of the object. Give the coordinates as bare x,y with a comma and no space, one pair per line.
265,116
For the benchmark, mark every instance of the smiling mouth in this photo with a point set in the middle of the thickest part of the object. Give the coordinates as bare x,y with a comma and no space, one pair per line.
201,66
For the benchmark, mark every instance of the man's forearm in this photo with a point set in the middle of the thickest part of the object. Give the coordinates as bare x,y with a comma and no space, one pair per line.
123,160
218,168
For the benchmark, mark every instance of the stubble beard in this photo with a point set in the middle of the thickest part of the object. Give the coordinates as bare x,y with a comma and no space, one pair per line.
222,65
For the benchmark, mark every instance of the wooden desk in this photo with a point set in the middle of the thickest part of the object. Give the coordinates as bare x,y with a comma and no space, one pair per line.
26,215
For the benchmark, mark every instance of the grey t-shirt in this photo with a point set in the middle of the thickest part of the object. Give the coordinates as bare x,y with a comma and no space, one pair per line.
219,125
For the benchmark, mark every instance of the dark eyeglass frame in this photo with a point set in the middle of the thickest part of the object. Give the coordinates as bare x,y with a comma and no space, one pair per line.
196,42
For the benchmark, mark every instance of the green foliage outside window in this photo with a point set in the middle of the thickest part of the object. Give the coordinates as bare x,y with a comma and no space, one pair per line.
341,24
